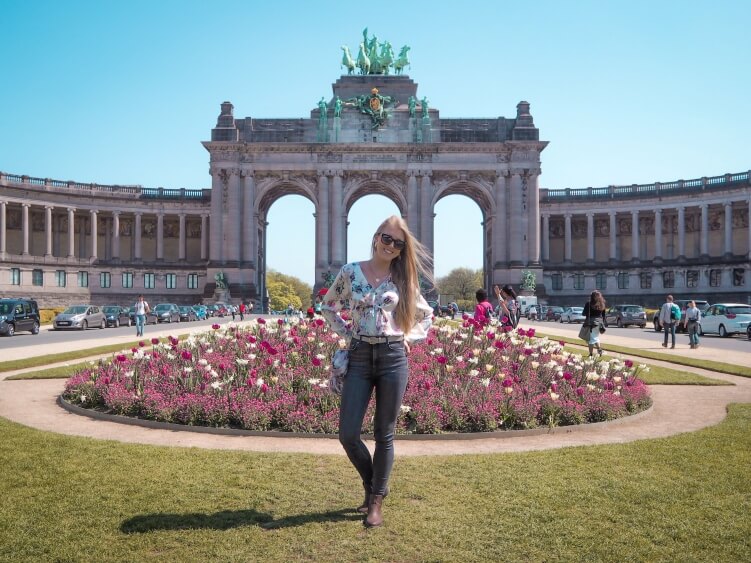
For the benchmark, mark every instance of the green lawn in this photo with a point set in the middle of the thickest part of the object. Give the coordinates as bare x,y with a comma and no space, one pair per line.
684,498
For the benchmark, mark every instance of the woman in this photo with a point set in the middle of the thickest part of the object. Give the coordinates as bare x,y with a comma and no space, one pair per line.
594,313
692,323
507,306
387,314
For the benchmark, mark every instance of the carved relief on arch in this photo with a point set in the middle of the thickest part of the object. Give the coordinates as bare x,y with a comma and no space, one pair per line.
557,228
740,218
602,227
715,220
624,226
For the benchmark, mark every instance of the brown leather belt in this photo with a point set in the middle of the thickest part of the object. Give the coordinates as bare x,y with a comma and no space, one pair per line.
379,339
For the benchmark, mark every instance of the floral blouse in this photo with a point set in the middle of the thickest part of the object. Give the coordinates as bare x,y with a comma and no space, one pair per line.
370,310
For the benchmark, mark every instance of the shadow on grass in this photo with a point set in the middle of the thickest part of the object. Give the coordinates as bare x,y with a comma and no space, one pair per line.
229,519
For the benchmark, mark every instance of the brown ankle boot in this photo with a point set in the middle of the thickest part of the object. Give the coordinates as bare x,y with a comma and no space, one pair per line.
375,516
363,508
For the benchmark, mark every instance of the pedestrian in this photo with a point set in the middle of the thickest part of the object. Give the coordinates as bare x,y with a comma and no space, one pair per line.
508,309
140,310
242,311
232,310
670,316
594,314
387,314
692,324
483,309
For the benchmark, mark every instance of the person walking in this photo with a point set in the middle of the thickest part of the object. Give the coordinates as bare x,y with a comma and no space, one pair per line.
140,310
594,314
692,324
241,309
386,315
670,315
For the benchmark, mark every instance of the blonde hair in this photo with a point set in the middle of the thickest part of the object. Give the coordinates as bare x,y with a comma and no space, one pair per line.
412,266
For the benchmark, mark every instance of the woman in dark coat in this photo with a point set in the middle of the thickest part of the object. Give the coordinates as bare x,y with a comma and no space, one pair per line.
594,313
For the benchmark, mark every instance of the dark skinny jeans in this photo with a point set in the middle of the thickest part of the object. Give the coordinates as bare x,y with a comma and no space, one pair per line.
383,367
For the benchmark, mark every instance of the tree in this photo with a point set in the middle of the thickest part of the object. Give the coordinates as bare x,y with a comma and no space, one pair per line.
281,295
461,283
303,291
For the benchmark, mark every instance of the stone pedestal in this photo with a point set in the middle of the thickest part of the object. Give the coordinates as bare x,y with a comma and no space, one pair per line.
222,295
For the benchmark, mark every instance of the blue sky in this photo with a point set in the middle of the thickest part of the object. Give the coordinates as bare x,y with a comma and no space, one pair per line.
124,92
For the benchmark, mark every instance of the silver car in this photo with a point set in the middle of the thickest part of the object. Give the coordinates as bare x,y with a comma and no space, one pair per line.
573,315
80,317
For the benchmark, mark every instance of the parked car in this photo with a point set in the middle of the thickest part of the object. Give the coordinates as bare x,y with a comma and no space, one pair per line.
682,303
440,310
150,317
187,314
115,315
201,312
726,319
80,317
572,315
553,313
167,313
18,314
626,315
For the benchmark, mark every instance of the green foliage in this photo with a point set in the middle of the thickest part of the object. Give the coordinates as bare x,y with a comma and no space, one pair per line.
281,295
461,283
303,291
528,281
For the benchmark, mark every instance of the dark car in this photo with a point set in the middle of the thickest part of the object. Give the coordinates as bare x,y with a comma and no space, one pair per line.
682,303
187,314
552,313
18,314
114,315
167,313
626,315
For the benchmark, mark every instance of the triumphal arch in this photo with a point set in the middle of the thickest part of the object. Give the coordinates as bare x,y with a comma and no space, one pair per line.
376,134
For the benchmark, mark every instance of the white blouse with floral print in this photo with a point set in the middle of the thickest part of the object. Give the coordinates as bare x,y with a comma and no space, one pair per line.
370,310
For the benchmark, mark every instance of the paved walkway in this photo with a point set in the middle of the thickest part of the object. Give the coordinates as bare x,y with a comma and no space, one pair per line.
677,409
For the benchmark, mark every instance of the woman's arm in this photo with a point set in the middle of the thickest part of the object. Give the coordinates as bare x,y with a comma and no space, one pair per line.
338,297
423,321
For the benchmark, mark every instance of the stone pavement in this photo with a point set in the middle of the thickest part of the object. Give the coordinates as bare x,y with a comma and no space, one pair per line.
677,409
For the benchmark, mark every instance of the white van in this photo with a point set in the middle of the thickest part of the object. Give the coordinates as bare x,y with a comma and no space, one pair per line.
525,301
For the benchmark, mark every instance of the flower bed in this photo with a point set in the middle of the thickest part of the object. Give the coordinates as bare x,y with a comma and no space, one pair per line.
274,376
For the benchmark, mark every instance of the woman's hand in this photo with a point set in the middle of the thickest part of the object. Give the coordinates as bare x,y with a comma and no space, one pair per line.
407,348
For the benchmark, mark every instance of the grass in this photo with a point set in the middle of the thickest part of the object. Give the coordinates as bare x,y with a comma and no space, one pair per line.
683,498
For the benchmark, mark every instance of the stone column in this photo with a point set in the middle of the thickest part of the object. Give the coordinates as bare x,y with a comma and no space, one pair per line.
499,219
413,216
3,229
94,234
234,217
116,235
533,197
658,234
704,230
249,229
338,221
681,233
137,250
426,211
25,227
546,238
728,229
204,237
590,237
218,182
48,229
160,235
635,235
567,238
71,231
613,234
322,223
181,243
516,234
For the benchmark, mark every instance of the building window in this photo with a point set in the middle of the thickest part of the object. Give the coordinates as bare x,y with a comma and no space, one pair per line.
739,277
645,280
622,280
127,280
578,281
61,278
668,279
692,278
83,279
557,280
15,276
105,279
171,280
601,281
149,281
37,277
192,281
715,278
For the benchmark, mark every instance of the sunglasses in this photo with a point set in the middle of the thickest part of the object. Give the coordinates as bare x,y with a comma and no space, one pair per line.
388,239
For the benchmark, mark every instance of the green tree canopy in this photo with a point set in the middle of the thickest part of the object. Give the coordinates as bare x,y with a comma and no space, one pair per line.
281,295
461,283
303,291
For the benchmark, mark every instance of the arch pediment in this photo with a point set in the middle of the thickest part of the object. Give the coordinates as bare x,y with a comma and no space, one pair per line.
389,186
271,189
478,189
